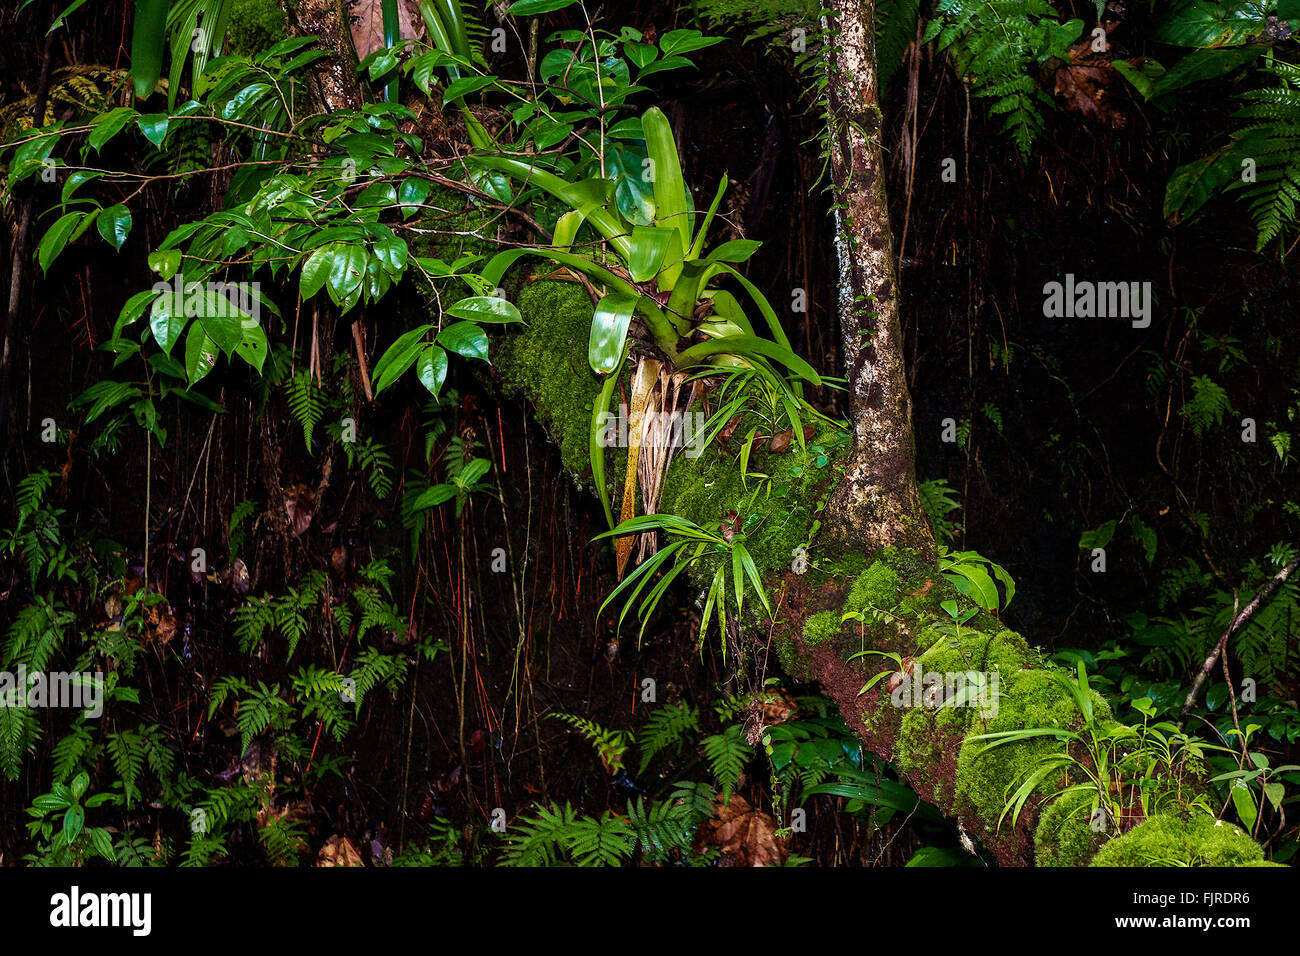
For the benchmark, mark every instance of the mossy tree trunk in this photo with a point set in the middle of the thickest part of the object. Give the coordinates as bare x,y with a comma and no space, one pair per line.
876,502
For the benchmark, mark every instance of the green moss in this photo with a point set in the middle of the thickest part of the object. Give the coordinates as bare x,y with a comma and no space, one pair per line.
255,26
1170,840
547,361
926,731
877,587
1029,699
821,628
776,515
1065,836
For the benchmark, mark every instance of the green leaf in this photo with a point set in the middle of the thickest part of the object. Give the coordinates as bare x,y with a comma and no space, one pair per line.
743,345
737,250
1203,23
432,368
399,357
200,354
148,34
165,262
80,783
484,308
253,346
57,237
347,269
166,326
685,41
1098,538
465,338
464,86
652,246
609,331
154,127
114,223
530,8
102,843
392,253
316,270
672,202
1202,65
73,820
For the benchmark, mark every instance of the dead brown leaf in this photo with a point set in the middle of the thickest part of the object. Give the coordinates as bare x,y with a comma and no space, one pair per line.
367,18
746,837
338,851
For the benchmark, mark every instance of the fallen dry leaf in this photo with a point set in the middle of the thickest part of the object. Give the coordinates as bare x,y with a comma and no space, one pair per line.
746,837
338,851
367,18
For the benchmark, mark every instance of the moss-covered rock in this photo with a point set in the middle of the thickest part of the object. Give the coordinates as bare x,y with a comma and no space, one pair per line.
1065,835
1197,839
1029,699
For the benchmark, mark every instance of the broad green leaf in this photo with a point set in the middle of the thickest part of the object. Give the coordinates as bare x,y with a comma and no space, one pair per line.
392,252
399,357
652,248
148,34
432,368
484,308
57,237
1098,538
165,262
114,224
167,319
685,41
609,331
316,270
253,346
200,354
154,127
750,345
672,202
347,268
737,250
530,8
465,338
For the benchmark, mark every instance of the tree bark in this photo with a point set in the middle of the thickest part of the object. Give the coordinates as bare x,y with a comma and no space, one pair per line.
335,83
876,502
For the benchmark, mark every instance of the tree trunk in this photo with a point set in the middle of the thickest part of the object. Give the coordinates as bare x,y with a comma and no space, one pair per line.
335,84
876,502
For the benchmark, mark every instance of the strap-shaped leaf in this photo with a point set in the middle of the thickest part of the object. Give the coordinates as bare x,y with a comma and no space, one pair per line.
609,331
672,202
652,248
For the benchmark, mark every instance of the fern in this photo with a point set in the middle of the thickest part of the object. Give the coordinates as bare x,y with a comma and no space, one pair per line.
19,731
727,754
542,840
1207,405
128,754
938,502
665,728
610,745
69,751
306,403
1271,139
996,46
895,31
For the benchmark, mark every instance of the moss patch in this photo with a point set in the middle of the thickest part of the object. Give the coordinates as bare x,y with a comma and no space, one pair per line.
255,25
930,734
1029,699
821,627
1170,840
877,587
1065,836
547,360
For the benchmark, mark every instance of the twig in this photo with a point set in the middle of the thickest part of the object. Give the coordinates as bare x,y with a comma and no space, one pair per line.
1265,592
